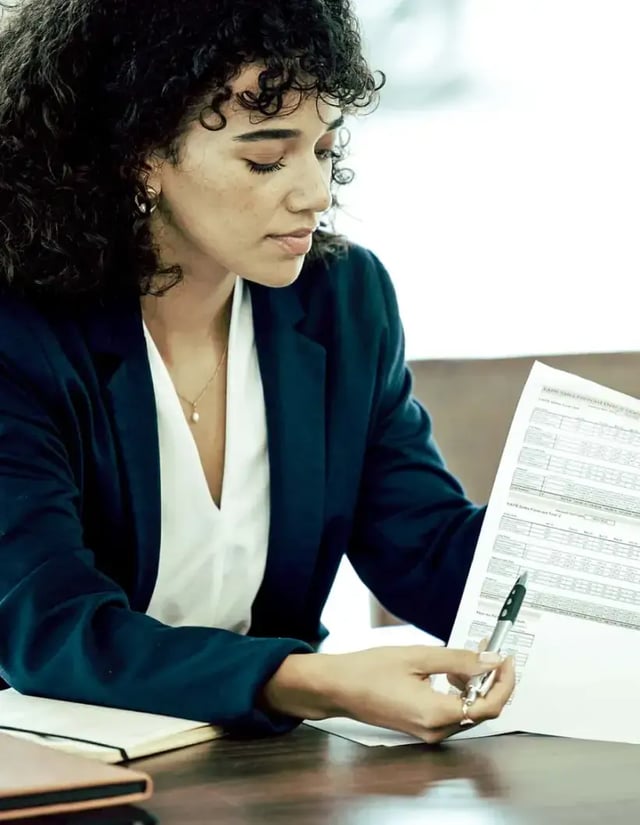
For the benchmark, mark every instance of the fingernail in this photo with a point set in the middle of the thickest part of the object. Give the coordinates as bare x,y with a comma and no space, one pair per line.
490,658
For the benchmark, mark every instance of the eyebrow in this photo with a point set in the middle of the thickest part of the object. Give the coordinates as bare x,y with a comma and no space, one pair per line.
281,134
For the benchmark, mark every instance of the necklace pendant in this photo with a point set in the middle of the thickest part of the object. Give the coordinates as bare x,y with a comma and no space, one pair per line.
195,416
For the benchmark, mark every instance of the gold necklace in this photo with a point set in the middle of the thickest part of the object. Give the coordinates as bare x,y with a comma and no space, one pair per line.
195,415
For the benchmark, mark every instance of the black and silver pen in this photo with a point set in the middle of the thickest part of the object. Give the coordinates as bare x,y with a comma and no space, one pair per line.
477,685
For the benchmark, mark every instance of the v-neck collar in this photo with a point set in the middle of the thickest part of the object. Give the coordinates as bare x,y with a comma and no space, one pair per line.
168,404
292,365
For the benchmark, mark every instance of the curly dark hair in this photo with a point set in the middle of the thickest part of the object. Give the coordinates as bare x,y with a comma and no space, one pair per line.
89,88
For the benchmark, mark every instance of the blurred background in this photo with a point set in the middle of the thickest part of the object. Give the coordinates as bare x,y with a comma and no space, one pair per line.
499,181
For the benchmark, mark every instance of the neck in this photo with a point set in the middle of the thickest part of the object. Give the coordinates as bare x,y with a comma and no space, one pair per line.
190,316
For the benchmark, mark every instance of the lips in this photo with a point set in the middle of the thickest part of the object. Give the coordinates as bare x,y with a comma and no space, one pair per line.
301,232
295,243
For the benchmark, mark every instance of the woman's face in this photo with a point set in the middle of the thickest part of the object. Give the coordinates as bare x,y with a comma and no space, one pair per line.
239,194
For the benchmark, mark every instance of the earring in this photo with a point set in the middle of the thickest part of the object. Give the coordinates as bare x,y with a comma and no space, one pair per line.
141,204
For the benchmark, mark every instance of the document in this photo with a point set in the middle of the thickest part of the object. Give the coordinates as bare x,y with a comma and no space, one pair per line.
565,506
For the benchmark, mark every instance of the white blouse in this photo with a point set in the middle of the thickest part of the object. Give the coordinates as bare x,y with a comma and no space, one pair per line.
212,559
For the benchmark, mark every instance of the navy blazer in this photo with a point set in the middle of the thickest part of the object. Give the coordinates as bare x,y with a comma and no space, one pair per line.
353,470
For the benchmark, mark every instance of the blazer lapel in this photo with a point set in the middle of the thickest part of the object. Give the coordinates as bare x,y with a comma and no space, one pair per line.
118,344
293,375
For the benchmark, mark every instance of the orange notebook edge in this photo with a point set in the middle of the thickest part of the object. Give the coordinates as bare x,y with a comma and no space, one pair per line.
38,780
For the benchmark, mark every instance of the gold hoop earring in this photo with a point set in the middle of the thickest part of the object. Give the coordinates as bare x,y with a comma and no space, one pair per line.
142,206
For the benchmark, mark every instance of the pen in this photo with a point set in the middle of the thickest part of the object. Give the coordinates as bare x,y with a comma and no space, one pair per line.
479,685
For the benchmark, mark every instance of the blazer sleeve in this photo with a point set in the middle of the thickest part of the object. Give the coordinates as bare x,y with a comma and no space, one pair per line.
415,531
67,630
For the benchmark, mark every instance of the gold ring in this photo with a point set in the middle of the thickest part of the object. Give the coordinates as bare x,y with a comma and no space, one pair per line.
466,719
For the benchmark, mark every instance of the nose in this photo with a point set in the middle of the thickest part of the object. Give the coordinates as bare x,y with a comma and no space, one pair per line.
312,192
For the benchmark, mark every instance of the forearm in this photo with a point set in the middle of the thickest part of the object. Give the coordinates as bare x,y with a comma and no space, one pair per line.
306,686
84,644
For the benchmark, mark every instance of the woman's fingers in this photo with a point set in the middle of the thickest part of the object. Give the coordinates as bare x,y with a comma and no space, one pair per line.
458,680
445,714
390,687
463,664
504,683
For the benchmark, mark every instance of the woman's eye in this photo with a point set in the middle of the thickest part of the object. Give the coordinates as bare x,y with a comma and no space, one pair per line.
265,168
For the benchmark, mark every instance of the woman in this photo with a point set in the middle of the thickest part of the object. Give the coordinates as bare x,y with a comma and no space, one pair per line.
203,397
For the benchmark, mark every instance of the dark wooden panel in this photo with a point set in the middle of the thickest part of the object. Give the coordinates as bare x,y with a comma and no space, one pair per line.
472,403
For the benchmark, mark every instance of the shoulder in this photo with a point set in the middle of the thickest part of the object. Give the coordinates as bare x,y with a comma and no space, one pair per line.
22,326
354,268
355,281
30,343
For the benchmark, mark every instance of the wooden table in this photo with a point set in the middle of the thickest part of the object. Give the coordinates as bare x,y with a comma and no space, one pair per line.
311,777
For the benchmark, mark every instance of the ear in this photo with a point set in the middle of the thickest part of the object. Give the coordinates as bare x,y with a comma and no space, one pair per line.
152,171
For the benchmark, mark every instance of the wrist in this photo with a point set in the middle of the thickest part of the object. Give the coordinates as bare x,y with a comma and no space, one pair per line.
306,685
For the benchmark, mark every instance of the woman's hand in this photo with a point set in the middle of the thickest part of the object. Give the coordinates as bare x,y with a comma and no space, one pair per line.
389,687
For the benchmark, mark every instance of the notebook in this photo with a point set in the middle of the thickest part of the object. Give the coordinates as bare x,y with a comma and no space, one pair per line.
36,780
105,734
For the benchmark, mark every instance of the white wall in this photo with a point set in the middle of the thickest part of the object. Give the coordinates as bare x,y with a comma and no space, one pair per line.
507,210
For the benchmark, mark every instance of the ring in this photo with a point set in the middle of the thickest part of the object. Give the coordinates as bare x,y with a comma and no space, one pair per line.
466,719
